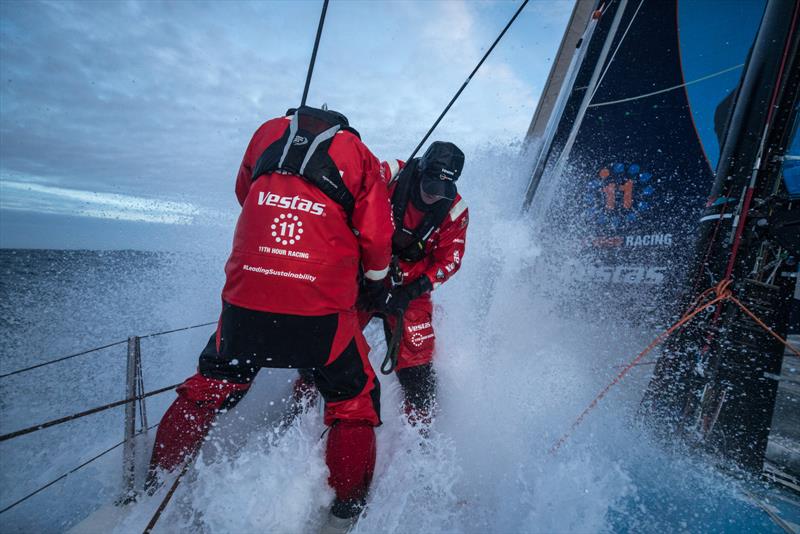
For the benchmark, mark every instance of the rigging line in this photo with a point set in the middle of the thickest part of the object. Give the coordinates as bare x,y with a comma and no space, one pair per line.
63,358
38,365
614,54
466,82
176,330
163,506
78,415
73,470
314,52
645,95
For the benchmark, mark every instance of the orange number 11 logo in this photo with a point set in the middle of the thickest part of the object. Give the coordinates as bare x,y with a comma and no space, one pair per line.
610,192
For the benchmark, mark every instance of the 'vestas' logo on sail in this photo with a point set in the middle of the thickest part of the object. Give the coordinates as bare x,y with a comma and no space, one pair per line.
290,203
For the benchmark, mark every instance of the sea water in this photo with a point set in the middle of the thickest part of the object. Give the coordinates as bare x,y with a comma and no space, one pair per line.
514,373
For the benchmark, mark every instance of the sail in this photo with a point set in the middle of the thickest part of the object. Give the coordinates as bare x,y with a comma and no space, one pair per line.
630,164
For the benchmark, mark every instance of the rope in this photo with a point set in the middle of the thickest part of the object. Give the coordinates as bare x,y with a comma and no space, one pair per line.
161,507
614,54
469,79
668,89
393,348
314,53
73,470
760,323
721,292
115,343
78,415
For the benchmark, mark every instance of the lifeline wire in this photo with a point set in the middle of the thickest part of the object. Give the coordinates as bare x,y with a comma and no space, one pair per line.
32,367
63,358
78,415
65,475
466,82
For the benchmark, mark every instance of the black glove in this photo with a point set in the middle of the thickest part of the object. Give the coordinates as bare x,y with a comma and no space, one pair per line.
372,296
401,297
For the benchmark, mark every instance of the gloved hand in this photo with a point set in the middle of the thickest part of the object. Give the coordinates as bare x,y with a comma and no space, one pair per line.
372,296
401,297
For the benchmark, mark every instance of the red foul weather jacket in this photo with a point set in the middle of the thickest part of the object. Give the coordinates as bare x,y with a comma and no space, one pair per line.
294,250
444,249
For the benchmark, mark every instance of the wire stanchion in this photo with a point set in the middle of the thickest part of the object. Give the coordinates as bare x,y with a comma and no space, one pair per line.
139,398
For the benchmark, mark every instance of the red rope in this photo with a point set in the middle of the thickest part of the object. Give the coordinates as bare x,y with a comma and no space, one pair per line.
722,293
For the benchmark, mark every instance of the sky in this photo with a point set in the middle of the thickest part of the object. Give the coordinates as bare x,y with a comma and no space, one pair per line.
122,124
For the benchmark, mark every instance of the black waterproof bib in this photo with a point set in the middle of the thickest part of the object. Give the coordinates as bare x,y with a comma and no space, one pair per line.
303,150
409,244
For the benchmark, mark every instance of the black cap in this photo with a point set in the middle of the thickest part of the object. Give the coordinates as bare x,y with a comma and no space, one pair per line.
440,167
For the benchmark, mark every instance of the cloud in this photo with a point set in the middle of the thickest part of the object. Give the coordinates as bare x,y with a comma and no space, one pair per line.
28,196
159,99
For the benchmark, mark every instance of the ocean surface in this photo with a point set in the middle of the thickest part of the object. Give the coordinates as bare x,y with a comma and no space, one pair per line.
514,372
489,470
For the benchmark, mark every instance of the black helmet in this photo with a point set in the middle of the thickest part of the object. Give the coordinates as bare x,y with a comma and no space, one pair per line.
439,168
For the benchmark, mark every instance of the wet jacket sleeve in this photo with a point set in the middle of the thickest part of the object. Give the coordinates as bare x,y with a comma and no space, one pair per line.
448,251
390,169
372,220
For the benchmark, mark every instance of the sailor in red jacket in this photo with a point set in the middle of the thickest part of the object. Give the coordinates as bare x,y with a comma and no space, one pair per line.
429,240
430,219
314,213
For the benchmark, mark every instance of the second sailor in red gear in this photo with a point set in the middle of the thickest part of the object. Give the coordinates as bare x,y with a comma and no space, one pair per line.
429,242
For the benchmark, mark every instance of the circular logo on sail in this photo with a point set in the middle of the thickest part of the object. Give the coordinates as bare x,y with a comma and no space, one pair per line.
618,194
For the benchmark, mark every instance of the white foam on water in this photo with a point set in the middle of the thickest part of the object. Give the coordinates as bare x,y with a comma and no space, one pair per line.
514,372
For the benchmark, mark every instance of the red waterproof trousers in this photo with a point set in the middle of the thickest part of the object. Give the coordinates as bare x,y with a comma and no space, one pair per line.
332,345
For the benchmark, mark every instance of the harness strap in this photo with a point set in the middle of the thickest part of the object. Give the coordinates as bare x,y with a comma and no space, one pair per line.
409,244
302,150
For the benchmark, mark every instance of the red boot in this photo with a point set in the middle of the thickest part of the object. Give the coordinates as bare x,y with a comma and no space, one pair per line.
351,460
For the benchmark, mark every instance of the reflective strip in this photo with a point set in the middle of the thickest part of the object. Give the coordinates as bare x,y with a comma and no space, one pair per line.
292,133
377,275
458,209
324,136
716,216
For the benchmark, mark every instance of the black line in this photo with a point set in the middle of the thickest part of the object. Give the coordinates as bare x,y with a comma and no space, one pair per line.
65,475
469,78
64,358
78,415
314,53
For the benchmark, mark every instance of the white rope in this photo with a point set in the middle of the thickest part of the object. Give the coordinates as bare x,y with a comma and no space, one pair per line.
704,78
613,55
